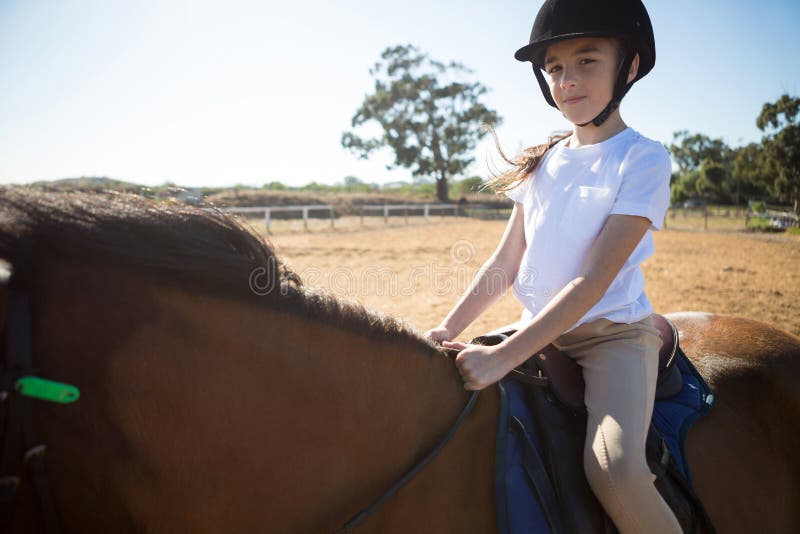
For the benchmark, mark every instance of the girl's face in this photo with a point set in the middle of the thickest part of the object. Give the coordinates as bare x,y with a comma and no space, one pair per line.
581,74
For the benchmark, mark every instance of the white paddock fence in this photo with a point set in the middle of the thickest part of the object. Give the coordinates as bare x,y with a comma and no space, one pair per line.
268,210
385,210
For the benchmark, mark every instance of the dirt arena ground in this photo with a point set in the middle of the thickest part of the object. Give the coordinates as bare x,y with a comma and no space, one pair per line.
417,270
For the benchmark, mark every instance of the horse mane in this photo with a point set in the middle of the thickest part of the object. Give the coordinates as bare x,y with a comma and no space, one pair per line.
198,249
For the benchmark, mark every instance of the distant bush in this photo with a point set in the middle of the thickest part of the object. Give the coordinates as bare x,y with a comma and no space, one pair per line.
274,186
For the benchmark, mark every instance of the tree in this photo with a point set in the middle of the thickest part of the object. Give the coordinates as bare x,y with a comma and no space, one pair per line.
711,183
684,186
710,168
751,171
704,167
428,115
693,149
782,147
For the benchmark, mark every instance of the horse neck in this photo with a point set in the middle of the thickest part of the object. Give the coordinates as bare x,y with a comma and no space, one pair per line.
190,389
368,408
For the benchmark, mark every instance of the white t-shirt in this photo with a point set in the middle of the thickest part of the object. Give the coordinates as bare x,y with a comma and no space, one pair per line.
566,202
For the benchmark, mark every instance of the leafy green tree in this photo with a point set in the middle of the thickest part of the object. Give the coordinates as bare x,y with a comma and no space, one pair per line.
689,150
684,186
742,169
711,184
782,147
704,167
428,115
751,171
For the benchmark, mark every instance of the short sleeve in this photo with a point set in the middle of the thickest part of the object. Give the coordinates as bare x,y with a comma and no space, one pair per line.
644,190
520,192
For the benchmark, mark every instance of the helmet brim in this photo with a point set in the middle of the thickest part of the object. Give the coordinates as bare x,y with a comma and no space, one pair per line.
534,52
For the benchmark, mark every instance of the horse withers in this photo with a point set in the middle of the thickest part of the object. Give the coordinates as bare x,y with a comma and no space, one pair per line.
220,394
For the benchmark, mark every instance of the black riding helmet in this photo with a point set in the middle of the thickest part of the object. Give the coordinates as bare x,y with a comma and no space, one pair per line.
559,20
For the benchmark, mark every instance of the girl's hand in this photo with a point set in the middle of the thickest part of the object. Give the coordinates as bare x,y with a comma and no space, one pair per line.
480,366
439,334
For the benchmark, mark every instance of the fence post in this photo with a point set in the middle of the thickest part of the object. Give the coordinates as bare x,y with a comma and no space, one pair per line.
361,213
305,219
386,214
331,208
267,219
427,206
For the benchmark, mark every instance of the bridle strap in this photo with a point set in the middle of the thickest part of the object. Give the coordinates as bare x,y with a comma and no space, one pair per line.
369,510
20,431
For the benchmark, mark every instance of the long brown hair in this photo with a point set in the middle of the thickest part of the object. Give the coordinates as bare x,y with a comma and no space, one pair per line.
523,164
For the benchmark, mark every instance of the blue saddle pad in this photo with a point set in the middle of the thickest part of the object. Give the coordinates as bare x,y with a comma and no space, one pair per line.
519,507
673,416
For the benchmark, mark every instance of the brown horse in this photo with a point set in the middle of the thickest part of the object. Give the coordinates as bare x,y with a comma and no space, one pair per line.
219,394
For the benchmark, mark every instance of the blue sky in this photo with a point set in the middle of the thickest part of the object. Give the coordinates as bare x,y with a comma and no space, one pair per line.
219,93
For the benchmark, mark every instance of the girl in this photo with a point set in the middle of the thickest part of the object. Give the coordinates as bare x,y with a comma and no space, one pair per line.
585,205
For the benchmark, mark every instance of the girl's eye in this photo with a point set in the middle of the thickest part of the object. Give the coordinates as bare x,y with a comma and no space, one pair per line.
555,67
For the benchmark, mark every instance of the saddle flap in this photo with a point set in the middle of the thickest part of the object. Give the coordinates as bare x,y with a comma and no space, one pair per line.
566,377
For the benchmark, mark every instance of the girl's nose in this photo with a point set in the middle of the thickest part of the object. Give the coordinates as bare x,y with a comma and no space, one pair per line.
567,78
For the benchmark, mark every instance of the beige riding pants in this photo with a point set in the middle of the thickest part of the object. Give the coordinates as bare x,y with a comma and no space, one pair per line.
620,368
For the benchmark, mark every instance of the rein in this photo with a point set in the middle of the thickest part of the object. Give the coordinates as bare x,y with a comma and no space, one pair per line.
411,473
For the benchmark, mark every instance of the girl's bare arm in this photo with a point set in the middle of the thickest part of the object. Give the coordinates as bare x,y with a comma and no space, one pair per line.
495,276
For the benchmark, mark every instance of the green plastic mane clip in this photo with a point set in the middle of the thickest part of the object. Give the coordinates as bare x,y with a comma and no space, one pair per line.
49,390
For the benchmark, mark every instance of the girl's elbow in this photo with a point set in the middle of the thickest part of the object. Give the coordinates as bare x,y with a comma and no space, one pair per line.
499,275
508,259
508,266
595,285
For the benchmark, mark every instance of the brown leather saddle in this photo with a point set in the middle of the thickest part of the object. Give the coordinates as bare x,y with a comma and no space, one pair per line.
552,368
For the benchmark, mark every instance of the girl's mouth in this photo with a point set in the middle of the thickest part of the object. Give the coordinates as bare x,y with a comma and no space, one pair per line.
574,100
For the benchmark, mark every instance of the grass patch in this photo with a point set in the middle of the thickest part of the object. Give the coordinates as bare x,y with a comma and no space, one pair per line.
762,224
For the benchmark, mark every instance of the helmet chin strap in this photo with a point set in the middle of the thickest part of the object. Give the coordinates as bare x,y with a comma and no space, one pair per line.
607,111
620,90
